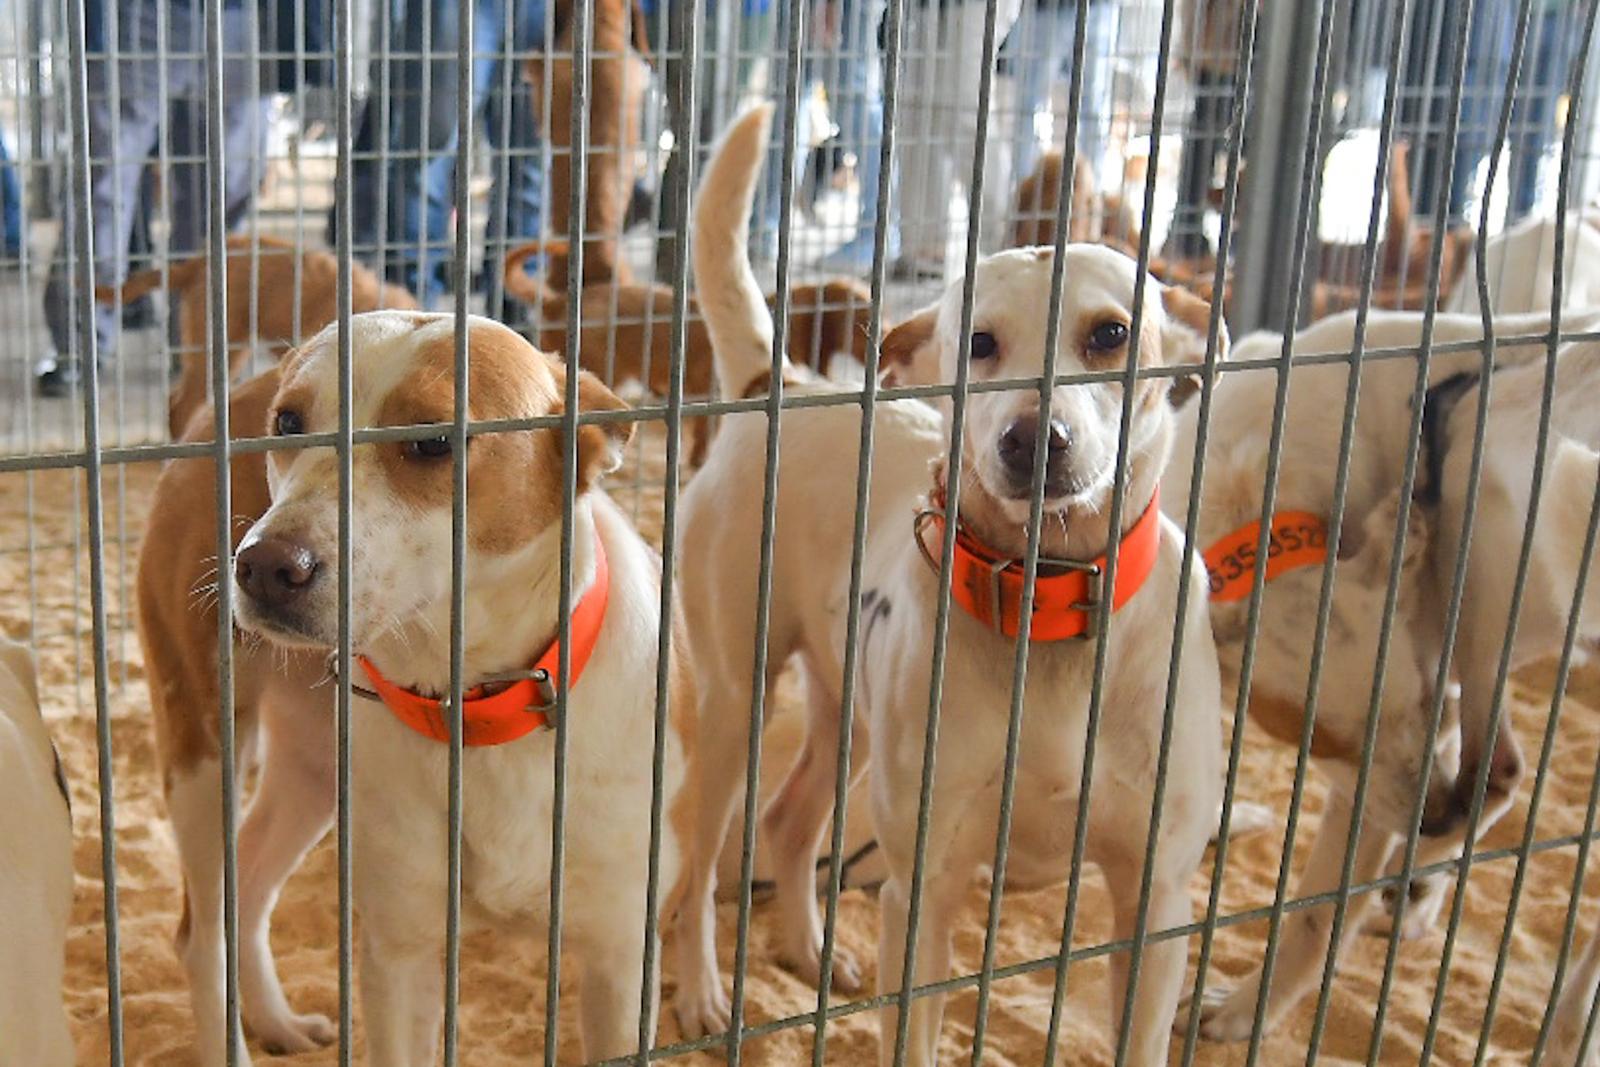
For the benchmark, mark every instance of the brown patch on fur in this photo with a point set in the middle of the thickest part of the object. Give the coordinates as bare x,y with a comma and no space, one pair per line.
263,268
899,346
177,556
617,79
1095,216
1284,720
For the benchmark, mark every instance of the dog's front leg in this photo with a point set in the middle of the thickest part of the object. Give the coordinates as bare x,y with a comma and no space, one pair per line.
1304,935
941,900
610,996
1567,1048
1161,965
402,994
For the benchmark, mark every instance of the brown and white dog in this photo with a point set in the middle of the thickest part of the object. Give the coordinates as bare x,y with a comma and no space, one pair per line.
35,874
626,330
285,580
811,564
263,276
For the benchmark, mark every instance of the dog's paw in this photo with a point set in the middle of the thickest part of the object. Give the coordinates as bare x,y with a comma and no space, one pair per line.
1247,818
703,1008
297,1033
807,963
1422,909
1225,1015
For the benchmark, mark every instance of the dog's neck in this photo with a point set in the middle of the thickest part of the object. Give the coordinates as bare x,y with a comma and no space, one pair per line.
512,613
1080,532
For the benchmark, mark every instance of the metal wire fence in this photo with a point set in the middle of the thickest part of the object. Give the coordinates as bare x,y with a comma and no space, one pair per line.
1283,162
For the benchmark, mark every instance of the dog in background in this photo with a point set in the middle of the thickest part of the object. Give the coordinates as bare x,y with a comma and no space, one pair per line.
1401,283
263,274
626,330
619,74
35,874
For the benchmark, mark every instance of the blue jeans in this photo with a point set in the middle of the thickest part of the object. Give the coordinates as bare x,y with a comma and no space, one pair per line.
12,233
416,100
1039,51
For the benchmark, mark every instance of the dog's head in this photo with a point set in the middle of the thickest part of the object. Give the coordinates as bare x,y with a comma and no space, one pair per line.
1009,313
285,571
1349,666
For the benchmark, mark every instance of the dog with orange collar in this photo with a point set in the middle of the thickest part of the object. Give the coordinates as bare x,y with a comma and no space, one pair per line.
285,584
1295,547
811,567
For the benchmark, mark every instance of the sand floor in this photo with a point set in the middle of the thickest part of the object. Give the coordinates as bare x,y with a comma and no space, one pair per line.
503,981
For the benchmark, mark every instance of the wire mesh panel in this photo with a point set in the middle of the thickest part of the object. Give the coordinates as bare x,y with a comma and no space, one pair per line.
596,531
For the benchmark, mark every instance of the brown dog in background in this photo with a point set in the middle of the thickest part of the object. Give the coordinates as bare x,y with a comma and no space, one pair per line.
263,268
618,77
1402,280
626,330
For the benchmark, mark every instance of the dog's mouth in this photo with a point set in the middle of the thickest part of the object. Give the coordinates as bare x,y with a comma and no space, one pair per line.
281,626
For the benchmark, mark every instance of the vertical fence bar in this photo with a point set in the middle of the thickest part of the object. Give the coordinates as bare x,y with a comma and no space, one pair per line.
894,14
458,522
345,242
769,520
217,341
953,469
78,97
582,44
1241,100
669,543
1030,560
1335,529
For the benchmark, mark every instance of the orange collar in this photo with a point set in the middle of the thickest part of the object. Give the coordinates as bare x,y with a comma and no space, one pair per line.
1066,593
527,703
1296,539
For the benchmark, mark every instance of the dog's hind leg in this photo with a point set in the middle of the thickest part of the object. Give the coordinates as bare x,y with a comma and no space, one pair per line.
194,801
720,770
793,825
292,809
1567,1047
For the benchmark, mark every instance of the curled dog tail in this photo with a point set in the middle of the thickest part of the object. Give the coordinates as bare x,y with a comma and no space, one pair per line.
190,272
524,286
735,309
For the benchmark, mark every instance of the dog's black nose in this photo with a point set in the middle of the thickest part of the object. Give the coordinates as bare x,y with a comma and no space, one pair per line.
1017,444
274,572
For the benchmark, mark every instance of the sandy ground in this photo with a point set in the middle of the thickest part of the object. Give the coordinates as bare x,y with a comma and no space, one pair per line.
503,981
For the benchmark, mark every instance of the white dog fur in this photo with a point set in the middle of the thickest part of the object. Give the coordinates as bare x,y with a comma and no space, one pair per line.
35,875
811,573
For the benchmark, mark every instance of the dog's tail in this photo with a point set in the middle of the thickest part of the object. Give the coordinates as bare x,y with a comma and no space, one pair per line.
735,309
523,285
141,283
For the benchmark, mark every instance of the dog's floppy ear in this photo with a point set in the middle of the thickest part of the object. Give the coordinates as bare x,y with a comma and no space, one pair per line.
1183,339
906,355
600,445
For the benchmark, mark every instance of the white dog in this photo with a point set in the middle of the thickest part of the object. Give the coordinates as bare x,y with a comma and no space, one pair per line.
285,579
811,571
35,874
1521,261
1236,460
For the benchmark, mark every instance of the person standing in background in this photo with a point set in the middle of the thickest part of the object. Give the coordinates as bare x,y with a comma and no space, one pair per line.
1038,56
943,66
122,135
413,176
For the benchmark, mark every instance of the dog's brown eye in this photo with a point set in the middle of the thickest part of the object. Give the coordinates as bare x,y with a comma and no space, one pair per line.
1108,336
429,448
984,346
288,423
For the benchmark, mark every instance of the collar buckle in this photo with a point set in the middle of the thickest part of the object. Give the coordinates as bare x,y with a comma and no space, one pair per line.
1093,589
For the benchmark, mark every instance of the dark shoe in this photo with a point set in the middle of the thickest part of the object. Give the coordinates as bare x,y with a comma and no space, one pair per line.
641,207
59,379
139,314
